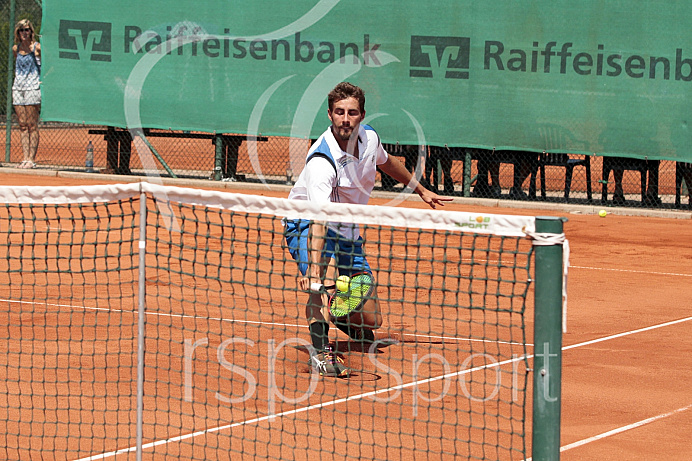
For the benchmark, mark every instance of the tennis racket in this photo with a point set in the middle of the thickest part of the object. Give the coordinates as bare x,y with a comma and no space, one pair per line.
343,303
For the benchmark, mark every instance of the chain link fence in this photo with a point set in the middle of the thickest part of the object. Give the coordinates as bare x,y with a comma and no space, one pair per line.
463,172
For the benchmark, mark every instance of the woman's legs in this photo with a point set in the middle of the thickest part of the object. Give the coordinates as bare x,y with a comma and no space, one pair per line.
27,117
22,118
33,113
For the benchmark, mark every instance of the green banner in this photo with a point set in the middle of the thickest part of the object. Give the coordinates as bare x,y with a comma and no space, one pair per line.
596,76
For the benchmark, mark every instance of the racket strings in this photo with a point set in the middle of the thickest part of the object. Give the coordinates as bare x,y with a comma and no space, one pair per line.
346,302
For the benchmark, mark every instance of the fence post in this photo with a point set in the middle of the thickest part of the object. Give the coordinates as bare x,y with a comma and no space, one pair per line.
466,192
547,361
219,157
10,80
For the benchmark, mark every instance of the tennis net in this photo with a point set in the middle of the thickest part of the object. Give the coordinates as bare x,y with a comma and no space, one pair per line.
167,322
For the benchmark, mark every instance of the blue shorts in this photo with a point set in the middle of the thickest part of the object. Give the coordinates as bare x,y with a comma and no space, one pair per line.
348,253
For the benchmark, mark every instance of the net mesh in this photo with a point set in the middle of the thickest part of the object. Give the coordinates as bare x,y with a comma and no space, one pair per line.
226,350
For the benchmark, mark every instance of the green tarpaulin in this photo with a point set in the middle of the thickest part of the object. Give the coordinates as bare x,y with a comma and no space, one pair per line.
596,76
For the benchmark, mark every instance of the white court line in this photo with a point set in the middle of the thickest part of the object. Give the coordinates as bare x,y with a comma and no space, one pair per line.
257,322
621,429
633,271
624,428
627,333
572,266
367,394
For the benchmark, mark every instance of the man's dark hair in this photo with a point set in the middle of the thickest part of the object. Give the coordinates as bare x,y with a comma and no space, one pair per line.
345,90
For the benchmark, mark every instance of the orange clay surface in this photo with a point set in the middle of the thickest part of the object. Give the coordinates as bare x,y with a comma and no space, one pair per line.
627,374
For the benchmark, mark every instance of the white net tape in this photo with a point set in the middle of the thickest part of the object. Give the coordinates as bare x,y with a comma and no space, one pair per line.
547,239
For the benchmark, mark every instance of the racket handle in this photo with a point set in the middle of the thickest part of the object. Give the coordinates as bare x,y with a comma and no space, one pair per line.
316,286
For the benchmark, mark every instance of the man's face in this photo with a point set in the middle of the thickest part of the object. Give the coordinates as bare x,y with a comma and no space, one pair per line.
345,117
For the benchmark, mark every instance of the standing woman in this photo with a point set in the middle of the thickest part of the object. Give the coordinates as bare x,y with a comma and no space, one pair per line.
26,93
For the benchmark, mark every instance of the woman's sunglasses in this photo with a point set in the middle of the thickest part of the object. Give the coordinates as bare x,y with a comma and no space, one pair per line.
26,29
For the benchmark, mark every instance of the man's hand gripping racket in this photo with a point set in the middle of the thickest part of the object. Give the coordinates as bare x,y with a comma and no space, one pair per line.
348,296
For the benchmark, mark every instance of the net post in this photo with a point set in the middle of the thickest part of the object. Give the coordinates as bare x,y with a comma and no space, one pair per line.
547,362
141,320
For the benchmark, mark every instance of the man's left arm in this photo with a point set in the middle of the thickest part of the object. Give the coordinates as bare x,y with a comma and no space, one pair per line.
394,168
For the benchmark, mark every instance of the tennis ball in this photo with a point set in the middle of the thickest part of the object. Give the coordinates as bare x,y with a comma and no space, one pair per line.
343,282
602,213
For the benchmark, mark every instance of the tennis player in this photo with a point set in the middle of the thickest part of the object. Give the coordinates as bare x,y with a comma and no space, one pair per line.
341,166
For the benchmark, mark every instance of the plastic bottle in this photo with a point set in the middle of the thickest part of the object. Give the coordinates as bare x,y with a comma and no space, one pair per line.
90,158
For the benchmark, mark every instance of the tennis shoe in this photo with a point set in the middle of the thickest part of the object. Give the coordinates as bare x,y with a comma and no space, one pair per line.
329,363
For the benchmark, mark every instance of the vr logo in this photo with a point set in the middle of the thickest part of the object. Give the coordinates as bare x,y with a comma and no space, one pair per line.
85,40
440,57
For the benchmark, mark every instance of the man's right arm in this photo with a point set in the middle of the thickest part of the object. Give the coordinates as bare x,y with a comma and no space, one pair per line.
319,184
318,231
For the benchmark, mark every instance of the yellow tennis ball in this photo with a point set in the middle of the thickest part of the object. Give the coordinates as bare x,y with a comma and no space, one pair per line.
343,282
602,213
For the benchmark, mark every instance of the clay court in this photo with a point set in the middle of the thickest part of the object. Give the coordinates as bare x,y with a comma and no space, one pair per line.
627,357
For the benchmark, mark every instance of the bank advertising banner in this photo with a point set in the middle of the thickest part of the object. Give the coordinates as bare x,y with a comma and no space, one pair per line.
594,76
